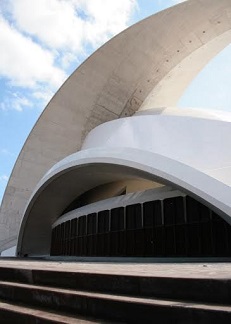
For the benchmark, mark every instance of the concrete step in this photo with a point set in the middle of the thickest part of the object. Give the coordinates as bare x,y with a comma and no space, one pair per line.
212,290
114,307
21,314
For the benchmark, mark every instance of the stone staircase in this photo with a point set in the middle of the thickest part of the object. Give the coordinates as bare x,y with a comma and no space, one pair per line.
57,296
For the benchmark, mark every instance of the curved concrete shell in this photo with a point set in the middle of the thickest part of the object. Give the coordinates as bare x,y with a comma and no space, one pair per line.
147,66
85,170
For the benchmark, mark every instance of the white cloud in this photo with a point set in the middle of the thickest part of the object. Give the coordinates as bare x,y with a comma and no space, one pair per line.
4,177
53,22
40,39
6,152
67,58
38,98
43,95
24,62
106,18
70,24
15,101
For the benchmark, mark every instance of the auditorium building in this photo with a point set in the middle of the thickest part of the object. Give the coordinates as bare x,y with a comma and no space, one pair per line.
112,168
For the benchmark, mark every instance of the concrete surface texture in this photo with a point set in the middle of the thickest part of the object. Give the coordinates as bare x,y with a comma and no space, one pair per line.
170,270
77,292
135,70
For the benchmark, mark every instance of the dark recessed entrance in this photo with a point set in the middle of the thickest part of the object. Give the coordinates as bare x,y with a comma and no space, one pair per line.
172,227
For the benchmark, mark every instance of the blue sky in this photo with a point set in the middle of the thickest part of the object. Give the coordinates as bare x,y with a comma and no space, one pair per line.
42,42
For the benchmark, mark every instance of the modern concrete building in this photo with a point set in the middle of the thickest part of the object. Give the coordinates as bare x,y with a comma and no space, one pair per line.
112,167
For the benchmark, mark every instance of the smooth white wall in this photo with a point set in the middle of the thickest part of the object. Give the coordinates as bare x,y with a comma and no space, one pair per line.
201,143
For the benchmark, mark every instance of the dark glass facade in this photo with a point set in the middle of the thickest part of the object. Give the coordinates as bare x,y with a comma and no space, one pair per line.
173,227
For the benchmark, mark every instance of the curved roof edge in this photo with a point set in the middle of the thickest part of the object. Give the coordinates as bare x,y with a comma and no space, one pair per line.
86,169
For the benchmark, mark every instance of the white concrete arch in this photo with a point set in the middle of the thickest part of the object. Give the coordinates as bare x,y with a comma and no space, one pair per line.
86,169
112,83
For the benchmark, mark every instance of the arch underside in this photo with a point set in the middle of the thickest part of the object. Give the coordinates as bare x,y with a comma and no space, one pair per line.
166,49
84,171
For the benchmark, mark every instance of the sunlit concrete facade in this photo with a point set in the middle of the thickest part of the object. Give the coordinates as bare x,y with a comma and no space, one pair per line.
112,122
